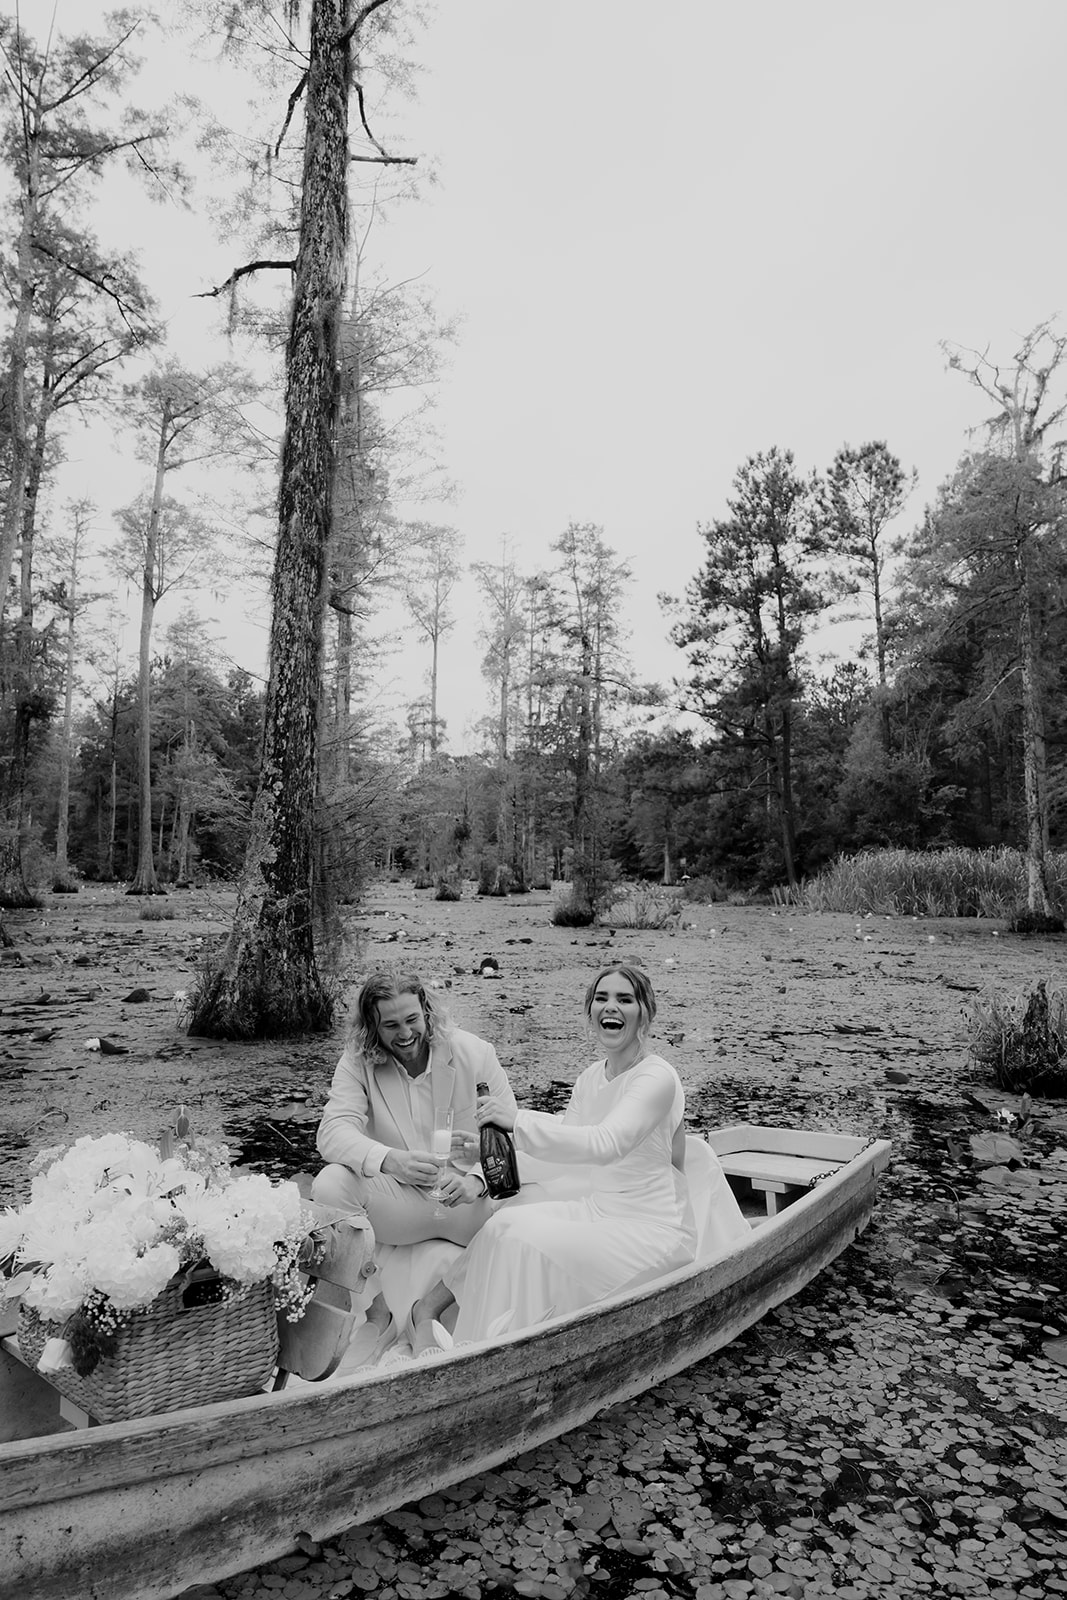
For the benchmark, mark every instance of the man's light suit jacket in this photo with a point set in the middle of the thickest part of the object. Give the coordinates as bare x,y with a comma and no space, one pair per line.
367,1113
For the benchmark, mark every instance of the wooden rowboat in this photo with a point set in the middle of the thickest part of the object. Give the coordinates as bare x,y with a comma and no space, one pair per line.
145,1508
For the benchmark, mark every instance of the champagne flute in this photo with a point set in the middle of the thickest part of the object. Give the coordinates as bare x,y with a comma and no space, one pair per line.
442,1149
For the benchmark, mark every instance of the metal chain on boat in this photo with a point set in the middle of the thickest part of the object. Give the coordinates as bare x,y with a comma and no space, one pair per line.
819,1176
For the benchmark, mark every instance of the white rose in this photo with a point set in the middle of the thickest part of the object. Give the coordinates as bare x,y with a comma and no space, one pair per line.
56,1356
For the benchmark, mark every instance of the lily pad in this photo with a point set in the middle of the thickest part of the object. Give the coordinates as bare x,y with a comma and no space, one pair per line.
1055,1350
1052,1504
996,1149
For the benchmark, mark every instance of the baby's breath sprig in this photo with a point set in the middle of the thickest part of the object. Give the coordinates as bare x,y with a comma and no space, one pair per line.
92,1332
293,1294
293,1291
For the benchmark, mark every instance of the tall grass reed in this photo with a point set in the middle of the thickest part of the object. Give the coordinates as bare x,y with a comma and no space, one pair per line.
1021,1041
644,905
931,883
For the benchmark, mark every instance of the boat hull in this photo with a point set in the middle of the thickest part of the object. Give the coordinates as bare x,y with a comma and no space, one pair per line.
144,1509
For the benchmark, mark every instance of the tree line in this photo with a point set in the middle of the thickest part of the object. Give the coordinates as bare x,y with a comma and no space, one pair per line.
925,738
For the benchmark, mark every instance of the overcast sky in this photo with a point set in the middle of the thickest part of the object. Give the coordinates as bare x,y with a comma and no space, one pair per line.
680,233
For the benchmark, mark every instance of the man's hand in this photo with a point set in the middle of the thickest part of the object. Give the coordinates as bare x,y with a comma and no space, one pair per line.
460,1188
417,1167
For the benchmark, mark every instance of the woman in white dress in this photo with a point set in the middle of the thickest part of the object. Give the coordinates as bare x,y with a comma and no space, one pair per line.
623,1218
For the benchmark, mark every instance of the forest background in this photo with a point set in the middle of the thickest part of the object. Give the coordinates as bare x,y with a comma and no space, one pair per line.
850,657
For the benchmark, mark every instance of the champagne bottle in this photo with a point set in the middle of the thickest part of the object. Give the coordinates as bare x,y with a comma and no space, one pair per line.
497,1151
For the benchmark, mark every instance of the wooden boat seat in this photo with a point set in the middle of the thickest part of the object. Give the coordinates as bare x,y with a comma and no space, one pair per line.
778,1177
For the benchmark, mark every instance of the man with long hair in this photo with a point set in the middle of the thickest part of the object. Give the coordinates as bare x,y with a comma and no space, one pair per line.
403,1060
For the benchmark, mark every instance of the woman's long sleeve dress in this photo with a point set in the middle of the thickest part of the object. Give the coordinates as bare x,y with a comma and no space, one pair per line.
633,1223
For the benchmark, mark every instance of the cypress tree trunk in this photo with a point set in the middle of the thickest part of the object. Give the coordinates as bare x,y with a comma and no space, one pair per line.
13,891
26,472
1037,895
266,982
584,866
183,827
61,876
145,880
17,419
786,801
113,791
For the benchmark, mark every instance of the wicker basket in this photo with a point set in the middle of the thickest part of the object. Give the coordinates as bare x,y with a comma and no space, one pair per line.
171,1355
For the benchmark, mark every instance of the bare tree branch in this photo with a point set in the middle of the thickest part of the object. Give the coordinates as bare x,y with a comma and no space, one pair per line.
338,602
294,101
125,308
381,159
88,77
391,160
243,272
361,17
153,171
67,163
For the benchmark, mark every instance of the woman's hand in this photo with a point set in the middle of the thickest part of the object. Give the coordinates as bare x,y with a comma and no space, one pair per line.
492,1109
464,1148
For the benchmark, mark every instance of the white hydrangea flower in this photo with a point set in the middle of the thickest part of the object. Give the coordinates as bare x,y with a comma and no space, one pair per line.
110,1217
56,1294
242,1224
128,1276
48,1230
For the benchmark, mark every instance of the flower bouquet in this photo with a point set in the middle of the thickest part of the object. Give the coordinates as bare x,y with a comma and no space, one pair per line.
150,1278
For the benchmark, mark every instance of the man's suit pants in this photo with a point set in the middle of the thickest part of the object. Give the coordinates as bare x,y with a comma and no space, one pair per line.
398,1212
